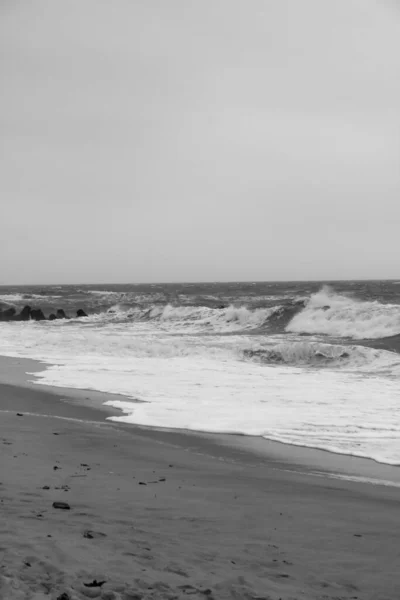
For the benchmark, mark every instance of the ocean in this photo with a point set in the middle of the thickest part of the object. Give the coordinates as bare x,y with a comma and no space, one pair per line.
306,363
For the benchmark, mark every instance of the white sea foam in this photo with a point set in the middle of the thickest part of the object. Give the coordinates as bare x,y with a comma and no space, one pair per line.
337,315
203,382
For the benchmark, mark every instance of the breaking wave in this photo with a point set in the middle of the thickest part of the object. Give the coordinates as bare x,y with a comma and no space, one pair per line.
328,313
192,318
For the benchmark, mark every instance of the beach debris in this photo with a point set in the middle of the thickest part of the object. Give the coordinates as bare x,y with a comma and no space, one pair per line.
90,535
94,583
55,468
62,505
20,415
142,483
357,535
190,589
55,433
46,487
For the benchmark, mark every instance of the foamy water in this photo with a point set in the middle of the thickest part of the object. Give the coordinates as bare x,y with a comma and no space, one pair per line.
229,369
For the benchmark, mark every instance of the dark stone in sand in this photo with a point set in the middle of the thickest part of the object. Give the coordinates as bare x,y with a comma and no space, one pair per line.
62,505
55,468
20,415
81,313
61,314
90,535
142,483
64,596
94,583
52,317
46,487
37,315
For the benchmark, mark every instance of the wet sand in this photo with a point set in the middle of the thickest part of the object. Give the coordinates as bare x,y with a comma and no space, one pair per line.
159,514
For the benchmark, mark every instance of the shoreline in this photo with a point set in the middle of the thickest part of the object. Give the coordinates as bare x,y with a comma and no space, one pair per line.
17,372
160,514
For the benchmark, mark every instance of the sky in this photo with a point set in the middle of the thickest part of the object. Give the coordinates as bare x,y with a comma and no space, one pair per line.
199,140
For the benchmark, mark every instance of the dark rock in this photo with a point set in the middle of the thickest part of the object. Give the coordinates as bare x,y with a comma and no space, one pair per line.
24,315
46,487
81,313
20,415
61,314
52,317
8,314
62,505
37,315
64,596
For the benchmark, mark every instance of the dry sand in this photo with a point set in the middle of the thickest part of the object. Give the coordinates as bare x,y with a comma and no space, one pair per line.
158,514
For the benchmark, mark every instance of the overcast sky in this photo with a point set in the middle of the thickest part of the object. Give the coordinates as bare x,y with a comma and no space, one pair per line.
170,140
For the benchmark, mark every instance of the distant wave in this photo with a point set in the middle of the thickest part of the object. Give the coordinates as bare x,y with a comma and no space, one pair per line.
21,298
328,313
102,292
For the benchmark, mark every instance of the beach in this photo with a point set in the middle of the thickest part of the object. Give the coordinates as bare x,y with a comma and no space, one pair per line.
159,514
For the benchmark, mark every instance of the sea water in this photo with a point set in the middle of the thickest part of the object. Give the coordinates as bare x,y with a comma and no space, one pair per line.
302,363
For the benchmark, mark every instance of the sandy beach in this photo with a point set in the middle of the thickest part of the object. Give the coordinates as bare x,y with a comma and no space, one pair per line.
158,514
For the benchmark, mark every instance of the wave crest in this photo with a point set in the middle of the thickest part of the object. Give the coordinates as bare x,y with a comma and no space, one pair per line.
328,313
